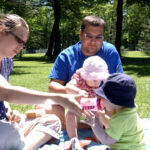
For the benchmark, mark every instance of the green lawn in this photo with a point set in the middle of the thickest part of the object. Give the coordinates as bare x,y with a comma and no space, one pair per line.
137,64
33,70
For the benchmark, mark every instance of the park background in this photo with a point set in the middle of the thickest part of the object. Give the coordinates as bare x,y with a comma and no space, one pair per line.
54,25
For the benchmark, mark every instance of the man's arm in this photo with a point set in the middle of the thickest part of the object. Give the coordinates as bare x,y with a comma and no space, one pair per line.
57,86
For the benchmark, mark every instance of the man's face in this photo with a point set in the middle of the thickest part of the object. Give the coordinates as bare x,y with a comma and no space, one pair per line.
91,38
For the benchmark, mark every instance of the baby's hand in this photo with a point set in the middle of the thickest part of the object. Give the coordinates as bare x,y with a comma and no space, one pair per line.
73,89
76,74
13,116
83,92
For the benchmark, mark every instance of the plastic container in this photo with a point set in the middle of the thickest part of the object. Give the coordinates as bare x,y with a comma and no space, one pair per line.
90,104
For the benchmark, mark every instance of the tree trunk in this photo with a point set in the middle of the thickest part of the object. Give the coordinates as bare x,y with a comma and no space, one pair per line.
54,47
119,25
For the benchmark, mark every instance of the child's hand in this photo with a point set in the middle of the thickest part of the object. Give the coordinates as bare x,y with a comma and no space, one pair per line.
90,118
103,118
83,92
13,116
76,75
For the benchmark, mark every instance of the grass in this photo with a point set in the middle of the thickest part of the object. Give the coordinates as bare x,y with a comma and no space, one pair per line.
137,64
33,70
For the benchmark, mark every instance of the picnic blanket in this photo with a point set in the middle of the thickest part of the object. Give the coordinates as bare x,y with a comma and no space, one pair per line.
146,126
86,136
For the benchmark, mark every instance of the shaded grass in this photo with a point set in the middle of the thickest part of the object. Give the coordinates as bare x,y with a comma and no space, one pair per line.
33,69
137,64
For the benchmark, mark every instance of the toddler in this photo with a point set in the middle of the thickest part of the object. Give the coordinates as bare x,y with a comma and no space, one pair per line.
124,131
85,81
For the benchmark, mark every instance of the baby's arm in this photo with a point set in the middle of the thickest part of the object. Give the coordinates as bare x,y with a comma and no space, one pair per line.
71,124
71,88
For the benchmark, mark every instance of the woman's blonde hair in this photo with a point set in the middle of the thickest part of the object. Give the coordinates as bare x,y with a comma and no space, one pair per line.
11,22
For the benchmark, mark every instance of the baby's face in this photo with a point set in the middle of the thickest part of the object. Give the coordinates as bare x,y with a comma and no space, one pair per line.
93,83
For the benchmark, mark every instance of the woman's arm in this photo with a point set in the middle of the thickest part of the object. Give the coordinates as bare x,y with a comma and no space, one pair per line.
20,95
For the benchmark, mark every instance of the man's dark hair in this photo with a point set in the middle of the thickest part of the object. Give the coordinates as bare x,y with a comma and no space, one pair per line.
93,21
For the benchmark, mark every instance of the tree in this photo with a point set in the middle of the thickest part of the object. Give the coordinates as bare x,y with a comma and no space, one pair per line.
119,25
40,24
54,47
74,7
135,16
144,42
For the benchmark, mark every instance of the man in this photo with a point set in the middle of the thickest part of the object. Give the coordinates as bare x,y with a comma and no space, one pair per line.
69,60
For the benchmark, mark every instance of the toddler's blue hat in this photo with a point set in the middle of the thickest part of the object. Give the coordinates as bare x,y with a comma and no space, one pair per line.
119,89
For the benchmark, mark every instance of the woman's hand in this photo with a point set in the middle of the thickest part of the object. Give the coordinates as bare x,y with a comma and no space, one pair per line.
13,116
69,101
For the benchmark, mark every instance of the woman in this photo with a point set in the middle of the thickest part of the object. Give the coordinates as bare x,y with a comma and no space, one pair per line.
13,36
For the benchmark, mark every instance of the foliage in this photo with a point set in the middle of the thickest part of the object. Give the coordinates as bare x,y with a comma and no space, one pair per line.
132,24
40,24
39,15
144,42
108,13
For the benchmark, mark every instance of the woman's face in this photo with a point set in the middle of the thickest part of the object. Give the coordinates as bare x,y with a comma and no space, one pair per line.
11,43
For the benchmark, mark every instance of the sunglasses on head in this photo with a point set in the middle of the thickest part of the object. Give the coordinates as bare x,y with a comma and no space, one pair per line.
19,40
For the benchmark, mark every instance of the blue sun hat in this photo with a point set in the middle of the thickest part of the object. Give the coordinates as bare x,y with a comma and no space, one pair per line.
119,89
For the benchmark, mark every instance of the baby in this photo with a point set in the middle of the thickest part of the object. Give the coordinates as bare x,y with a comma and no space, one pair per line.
85,81
125,131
